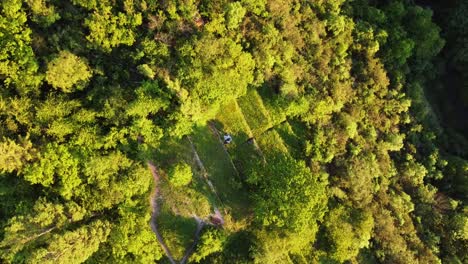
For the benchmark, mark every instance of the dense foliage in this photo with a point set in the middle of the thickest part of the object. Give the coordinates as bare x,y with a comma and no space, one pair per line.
346,146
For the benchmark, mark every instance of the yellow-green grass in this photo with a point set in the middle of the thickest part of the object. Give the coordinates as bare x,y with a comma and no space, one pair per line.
242,152
195,198
254,112
220,171
244,156
231,120
171,151
277,114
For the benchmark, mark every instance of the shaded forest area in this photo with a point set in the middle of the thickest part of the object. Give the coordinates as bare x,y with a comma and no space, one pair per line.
348,121
448,92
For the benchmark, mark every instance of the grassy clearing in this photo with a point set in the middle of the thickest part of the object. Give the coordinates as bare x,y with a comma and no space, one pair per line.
179,204
231,120
243,156
176,230
187,201
221,172
171,151
254,112
195,198
242,151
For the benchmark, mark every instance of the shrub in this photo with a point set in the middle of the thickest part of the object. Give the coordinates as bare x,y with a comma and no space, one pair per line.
68,72
180,174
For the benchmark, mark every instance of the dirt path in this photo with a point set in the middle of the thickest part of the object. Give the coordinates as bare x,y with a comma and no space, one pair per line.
205,175
204,171
188,253
155,210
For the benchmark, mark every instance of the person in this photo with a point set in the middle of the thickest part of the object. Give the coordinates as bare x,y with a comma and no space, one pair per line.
227,139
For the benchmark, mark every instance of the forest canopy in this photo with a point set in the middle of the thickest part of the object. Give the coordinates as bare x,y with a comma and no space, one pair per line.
250,131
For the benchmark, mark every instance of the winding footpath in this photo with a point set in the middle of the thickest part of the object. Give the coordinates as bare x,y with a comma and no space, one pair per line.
155,210
191,249
155,196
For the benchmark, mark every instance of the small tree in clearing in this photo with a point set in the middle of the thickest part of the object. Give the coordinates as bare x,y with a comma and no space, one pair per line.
180,174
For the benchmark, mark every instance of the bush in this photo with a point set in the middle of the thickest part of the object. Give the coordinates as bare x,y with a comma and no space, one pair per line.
211,241
180,174
68,72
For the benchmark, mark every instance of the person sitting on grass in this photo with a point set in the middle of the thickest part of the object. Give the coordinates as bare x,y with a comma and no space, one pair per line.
227,139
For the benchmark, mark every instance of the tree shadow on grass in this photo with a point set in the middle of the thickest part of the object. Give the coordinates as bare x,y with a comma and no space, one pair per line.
177,231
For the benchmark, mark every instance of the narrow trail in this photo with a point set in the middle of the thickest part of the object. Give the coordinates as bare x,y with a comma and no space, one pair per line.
190,250
203,170
155,210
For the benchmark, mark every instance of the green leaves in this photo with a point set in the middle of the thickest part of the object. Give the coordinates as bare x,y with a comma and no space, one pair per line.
68,72
57,164
235,14
131,238
14,156
348,231
32,226
18,65
288,195
43,13
109,30
72,246
211,241
180,175
208,63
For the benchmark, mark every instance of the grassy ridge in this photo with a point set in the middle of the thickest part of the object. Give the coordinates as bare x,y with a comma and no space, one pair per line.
254,112
231,120
196,197
292,132
179,205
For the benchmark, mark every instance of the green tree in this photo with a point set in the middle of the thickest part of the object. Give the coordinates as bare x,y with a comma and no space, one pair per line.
206,64
18,65
59,165
180,174
109,30
211,241
68,72
43,12
14,156
72,246
235,14
348,231
287,194
39,221
131,238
